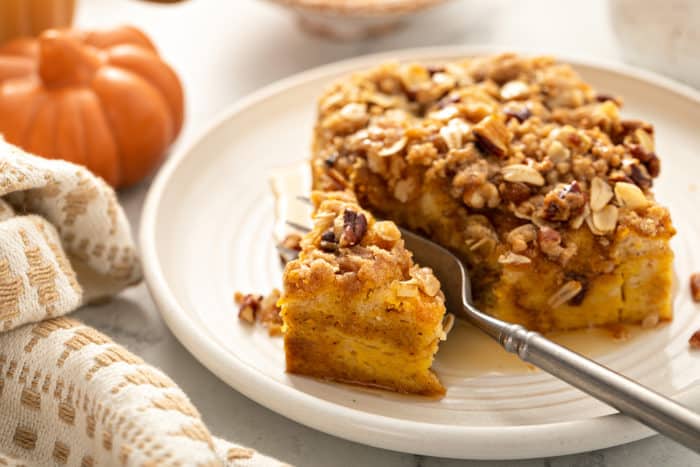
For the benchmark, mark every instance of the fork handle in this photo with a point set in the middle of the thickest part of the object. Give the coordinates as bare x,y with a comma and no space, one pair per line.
639,402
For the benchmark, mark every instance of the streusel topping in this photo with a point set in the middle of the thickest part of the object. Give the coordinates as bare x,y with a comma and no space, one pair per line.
525,136
348,242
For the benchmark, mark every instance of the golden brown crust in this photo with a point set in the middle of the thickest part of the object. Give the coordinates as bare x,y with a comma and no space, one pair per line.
518,165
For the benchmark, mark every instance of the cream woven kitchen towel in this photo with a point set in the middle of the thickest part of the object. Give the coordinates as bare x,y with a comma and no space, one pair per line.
68,394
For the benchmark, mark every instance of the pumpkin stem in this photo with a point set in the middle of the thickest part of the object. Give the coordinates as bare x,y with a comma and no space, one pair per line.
64,60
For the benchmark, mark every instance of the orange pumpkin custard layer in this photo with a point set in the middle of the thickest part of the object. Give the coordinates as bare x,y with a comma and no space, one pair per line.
521,168
356,308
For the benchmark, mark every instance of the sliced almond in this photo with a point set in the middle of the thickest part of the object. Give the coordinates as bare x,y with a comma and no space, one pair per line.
522,173
630,195
381,100
475,245
443,79
513,258
514,90
608,109
453,133
565,293
645,140
387,231
330,101
601,193
394,148
447,324
605,220
427,281
354,112
444,114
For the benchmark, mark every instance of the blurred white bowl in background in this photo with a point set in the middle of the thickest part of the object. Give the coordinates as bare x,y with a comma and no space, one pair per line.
660,35
353,19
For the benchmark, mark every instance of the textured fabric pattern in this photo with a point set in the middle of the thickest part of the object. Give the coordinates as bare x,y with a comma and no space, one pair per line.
68,394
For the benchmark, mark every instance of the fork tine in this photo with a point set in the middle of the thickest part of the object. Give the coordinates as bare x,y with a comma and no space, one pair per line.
299,227
304,199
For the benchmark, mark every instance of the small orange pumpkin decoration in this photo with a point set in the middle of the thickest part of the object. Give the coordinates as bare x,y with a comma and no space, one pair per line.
103,99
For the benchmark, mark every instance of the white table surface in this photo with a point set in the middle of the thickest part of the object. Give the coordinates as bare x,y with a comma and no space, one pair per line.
224,49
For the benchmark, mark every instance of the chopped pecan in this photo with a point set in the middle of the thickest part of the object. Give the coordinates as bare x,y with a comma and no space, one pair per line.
269,313
289,247
248,306
521,114
492,136
648,158
292,241
638,151
515,192
354,228
695,286
563,203
328,242
694,340
653,165
640,176
630,126
602,97
432,69
448,100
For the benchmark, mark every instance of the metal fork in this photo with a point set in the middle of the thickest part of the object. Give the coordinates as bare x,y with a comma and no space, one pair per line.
629,397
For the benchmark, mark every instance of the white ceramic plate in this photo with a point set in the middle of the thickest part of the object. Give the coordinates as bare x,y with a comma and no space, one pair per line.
207,231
